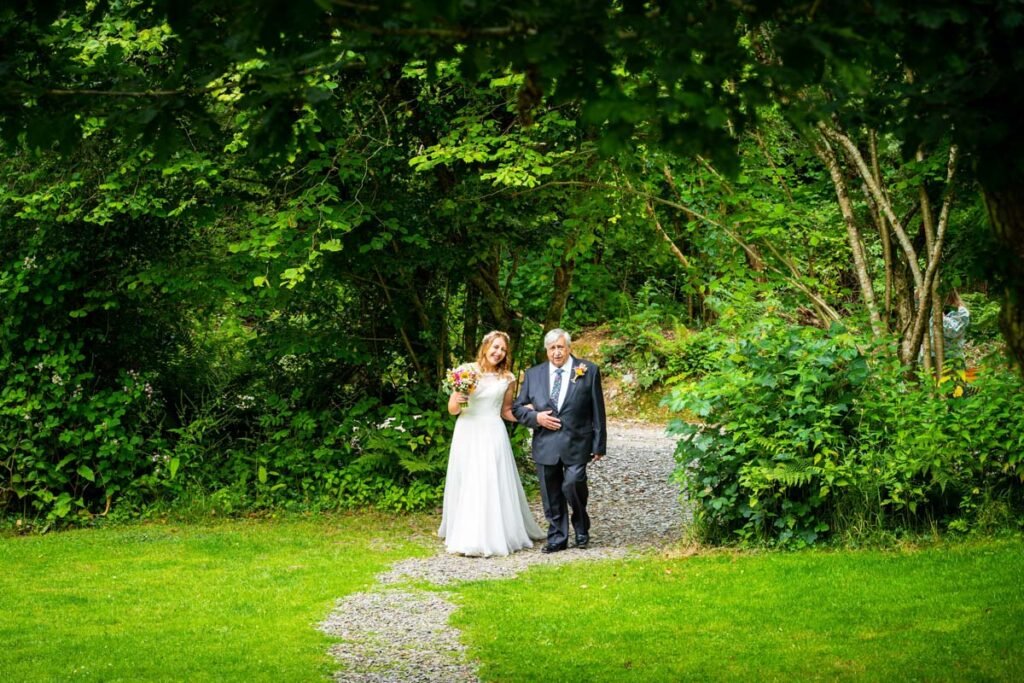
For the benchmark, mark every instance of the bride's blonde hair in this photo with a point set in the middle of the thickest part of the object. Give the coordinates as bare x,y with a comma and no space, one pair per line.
481,355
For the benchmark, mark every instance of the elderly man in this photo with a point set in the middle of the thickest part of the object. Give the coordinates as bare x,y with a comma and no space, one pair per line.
561,401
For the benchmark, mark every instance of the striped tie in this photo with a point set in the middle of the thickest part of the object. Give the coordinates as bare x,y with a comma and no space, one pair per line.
556,388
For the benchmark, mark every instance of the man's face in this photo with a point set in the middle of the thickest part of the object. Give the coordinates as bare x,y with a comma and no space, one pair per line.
558,352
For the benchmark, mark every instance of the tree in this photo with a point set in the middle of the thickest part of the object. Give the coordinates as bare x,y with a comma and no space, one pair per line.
688,76
257,246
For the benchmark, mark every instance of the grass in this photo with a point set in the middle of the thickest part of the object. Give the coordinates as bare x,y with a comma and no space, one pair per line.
944,613
228,601
240,601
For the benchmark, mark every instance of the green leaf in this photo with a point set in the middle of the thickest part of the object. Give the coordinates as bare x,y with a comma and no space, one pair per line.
62,506
86,472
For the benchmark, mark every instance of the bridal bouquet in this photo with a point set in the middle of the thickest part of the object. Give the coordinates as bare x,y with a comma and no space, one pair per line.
462,379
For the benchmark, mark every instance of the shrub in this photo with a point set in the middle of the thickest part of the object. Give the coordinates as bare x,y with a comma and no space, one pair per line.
69,444
649,355
802,437
358,455
79,415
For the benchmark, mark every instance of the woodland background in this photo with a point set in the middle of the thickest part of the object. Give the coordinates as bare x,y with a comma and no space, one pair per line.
239,246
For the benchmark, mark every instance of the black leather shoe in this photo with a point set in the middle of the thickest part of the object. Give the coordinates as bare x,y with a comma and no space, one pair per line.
582,541
553,547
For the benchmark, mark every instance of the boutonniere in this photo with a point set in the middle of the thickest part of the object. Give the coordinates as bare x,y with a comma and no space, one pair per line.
578,372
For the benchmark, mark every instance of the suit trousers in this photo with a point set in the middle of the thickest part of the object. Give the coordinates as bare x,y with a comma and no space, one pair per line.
560,485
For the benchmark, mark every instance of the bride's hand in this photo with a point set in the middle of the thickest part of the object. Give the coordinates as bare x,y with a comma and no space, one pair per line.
456,402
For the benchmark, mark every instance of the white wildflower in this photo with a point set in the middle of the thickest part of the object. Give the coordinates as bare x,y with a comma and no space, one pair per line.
290,363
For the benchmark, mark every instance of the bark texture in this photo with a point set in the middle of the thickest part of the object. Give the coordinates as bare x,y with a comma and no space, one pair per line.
1006,214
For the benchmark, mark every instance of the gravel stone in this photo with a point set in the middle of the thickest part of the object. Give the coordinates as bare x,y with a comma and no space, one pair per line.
397,633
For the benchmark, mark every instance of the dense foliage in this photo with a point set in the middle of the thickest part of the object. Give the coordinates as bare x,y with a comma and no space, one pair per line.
806,433
239,249
689,78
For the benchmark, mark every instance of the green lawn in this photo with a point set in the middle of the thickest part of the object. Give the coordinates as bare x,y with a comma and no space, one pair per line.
230,601
945,613
240,601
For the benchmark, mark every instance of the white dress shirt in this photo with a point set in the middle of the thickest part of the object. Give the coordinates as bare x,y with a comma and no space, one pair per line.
566,378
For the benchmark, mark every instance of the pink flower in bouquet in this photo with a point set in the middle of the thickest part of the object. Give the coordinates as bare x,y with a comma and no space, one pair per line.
462,379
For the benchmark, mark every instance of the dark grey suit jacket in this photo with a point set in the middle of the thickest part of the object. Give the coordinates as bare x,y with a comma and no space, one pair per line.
583,432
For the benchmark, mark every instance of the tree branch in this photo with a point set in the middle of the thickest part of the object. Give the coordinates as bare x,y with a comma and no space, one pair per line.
883,202
457,33
921,315
828,156
680,256
829,312
65,92
936,347
883,226
401,328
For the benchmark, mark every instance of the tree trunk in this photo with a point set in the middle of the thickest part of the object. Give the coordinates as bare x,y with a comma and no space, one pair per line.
883,225
403,332
471,321
1005,205
485,279
934,349
559,296
676,252
903,297
924,282
911,344
860,261
880,198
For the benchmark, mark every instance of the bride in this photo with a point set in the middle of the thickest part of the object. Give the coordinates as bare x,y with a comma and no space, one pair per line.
485,509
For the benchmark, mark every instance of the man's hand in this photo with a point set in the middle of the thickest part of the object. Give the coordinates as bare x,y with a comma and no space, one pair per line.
596,457
548,421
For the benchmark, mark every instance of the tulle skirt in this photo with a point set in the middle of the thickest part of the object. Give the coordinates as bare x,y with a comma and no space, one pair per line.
485,508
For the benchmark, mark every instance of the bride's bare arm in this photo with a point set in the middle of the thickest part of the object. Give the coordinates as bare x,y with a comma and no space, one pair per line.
506,403
456,402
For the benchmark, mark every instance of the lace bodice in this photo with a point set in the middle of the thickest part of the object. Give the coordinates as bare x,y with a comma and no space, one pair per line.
486,398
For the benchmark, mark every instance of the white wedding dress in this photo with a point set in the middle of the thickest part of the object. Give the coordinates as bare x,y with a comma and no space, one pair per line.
485,509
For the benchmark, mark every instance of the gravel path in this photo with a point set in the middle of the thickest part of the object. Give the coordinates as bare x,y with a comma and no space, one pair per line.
398,633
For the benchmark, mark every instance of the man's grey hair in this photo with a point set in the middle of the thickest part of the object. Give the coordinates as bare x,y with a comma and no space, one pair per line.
552,336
